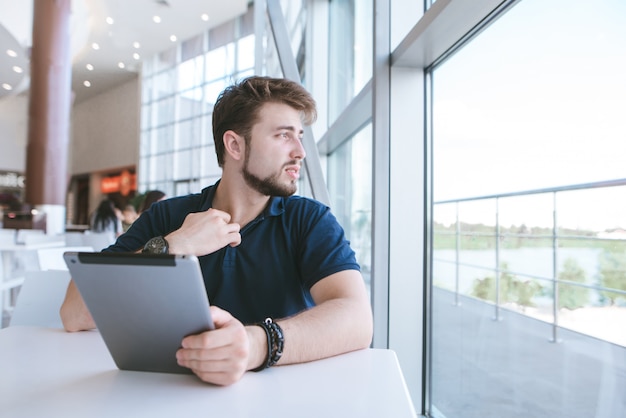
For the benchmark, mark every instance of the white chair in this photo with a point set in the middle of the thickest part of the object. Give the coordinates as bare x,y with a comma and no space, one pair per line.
22,234
74,239
7,236
44,240
40,299
98,240
52,258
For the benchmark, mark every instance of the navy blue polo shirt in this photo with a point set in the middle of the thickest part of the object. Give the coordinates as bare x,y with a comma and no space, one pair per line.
288,248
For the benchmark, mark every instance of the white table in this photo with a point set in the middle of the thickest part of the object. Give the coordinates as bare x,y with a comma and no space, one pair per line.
48,372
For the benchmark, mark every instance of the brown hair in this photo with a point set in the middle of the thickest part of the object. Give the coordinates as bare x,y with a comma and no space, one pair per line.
237,107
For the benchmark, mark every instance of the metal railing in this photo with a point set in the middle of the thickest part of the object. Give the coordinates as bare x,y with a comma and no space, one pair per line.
471,226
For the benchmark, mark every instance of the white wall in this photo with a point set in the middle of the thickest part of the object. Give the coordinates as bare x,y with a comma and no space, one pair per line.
13,133
105,130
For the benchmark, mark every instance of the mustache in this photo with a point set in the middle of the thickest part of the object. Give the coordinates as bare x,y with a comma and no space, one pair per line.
293,162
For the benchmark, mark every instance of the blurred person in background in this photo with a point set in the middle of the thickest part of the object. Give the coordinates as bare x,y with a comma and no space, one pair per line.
107,218
129,214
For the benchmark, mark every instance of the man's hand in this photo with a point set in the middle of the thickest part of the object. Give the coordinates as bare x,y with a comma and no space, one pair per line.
223,355
204,233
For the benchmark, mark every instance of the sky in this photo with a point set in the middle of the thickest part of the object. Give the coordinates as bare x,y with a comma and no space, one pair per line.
537,100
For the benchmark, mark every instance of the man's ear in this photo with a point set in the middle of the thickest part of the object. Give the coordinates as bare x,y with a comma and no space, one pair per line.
234,145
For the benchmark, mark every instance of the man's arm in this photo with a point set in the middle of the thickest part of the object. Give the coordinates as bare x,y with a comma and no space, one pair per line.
74,313
340,322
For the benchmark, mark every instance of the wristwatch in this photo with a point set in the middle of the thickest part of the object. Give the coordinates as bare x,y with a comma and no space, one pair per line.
156,245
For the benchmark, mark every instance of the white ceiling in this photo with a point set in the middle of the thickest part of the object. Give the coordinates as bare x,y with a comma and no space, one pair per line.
131,31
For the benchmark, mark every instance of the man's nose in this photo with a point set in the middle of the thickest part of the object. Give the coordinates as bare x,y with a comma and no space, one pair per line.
298,151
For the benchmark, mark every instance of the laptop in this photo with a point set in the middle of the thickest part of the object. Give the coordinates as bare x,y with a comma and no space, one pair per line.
142,304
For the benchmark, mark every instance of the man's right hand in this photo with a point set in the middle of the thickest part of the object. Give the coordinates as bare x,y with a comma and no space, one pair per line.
204,233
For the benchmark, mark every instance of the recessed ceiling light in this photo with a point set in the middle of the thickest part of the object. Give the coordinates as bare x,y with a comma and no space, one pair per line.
136,45
7,86
18,69
156,19
173,38
121,64
136,56
11,53
95,46
205,17
86,83
110,20
89,67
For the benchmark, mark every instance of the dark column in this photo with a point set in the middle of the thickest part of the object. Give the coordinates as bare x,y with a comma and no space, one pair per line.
49,111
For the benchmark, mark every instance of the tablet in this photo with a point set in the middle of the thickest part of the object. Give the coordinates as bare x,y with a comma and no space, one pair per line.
142,304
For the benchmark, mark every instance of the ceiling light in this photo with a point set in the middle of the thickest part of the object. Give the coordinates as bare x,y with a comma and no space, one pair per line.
7,86
205,17
121,64
18,69
173,38
109,20
86,83
156,19
89,67
95,46
11,53
136,56
136,45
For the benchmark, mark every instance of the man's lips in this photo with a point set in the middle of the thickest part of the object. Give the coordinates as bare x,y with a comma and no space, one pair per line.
293,171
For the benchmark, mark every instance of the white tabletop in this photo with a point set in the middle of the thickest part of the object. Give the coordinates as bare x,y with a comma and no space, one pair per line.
48,372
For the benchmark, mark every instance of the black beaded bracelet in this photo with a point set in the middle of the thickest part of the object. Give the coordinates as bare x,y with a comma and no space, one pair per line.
275,343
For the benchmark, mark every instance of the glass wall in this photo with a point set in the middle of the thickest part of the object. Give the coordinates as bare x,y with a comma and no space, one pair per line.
349,52
529,290
180,86
350,186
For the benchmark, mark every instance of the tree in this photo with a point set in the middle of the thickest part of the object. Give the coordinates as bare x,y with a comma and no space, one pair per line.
511,289
572,296
613,272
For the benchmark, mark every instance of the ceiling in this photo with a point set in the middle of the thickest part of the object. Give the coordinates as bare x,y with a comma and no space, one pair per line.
124,31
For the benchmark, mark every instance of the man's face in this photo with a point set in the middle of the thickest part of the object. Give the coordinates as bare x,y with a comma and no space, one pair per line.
275,152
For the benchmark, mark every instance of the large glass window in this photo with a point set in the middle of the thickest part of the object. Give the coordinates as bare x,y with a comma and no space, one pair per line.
350,187
179,89
350,52
529,283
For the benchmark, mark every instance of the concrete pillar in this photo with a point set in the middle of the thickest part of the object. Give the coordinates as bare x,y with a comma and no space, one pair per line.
49,112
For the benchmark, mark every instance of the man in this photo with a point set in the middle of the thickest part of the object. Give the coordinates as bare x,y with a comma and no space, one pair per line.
264,253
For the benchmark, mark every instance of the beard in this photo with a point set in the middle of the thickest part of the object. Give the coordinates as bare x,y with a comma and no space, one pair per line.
270,185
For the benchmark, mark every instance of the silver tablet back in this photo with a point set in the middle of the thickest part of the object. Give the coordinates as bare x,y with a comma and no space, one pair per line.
143,305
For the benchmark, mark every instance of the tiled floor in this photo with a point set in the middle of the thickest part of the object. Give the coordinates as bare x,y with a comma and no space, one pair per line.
510,368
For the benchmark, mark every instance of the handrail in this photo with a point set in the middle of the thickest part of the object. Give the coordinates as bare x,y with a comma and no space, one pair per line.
593,185
554,236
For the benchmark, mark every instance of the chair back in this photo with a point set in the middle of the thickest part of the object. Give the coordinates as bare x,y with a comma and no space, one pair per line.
52,258
98,240
23,234
7,236
40,299
74,239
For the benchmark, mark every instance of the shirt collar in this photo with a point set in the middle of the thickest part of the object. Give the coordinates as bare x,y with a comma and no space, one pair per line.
275,207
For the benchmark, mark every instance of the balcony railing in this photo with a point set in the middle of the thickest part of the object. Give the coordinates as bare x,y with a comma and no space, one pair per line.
557,254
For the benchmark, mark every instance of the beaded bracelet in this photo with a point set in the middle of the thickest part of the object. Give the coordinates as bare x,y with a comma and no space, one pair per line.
275,343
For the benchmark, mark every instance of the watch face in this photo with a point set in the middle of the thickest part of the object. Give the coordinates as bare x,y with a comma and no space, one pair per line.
156,245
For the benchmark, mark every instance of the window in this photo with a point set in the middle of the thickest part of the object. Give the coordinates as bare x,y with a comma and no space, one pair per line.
526,321
180,87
